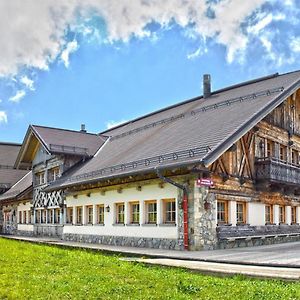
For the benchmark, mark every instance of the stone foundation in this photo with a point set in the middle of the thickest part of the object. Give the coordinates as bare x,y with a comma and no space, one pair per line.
248,236
48,230
168,244
24,233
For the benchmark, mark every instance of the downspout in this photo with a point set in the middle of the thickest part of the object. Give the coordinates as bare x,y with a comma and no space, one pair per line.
184,206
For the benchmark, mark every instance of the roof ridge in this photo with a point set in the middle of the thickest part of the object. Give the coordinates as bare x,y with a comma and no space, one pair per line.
241,84
64,129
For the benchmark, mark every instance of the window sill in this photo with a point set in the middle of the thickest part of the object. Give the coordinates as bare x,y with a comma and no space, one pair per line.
99,224
224,224
167,225
133,224
118,224
149,224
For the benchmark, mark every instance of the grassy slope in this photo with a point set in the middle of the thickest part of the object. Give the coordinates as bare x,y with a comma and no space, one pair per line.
30,271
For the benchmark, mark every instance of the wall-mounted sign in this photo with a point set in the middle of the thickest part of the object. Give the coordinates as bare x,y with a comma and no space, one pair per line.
204,182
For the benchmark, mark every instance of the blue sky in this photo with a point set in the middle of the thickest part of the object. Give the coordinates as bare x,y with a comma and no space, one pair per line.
101,62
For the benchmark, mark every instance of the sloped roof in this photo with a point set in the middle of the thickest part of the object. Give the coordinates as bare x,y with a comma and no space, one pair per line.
8,155
19,188
60,141
195,131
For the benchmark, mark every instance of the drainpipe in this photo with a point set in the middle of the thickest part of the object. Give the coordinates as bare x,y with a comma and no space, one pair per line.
184,206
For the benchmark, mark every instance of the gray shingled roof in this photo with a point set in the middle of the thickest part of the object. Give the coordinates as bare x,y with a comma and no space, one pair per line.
24,184
8,155
199,130
58,140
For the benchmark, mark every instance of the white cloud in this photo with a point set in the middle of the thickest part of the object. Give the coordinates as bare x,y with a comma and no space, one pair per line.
110,124
199,52
70,48
18,96
38,34
295,44
27,82
3,117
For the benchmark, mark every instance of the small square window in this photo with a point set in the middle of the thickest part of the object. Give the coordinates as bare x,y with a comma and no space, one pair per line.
70,215
281,214
268,214
222,212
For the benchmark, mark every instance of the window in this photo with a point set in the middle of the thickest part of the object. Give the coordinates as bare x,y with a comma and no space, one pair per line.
134,213
151,212
268,214
79,215
295,157
89,210
57,215
44,216
270,148
28,217
37,216
293,214
222,212
53,174
70,215
240,212
40,178
100,214
282,153
281,214
50,216
120,208
24,217
169,207
20,217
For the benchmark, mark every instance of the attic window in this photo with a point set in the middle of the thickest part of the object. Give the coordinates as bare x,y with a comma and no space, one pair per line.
53,174
40,178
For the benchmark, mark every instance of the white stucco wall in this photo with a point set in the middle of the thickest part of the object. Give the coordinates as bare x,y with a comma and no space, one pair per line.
25,227
148,192
256,214
24,206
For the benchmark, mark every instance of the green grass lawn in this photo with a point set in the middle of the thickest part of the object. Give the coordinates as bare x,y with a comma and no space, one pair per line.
29,271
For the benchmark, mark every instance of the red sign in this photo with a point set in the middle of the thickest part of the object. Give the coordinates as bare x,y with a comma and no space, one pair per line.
205,182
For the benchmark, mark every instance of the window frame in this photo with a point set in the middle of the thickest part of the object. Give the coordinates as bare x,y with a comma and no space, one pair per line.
100,207
225,212
89,209
281,214
79,220
134,213
294,215
151,213
243,212
173,213
120,214
70,212
271,214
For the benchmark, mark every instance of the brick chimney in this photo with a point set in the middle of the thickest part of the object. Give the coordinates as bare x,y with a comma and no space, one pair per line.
82,129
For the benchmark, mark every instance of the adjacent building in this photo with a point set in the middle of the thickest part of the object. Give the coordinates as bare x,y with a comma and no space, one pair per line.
220,170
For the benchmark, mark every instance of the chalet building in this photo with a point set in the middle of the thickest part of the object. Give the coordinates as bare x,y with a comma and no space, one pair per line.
217,171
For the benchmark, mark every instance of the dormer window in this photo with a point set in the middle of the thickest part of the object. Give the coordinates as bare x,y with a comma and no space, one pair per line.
40,178
53,174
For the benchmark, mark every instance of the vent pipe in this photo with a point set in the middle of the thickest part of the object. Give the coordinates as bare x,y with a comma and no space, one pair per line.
206,86
82,129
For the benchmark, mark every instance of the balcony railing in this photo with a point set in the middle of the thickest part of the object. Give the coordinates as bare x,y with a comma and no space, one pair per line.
277,171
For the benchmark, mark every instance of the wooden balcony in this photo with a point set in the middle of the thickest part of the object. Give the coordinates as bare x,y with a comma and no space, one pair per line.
276,171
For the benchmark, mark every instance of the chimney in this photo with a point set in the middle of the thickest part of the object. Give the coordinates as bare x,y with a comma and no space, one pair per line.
206,86
82,128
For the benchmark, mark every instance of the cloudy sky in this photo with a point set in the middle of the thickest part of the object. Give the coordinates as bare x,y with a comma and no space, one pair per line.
101,62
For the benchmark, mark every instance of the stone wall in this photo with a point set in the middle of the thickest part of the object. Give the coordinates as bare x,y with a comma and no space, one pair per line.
171,244
48,230
202,218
